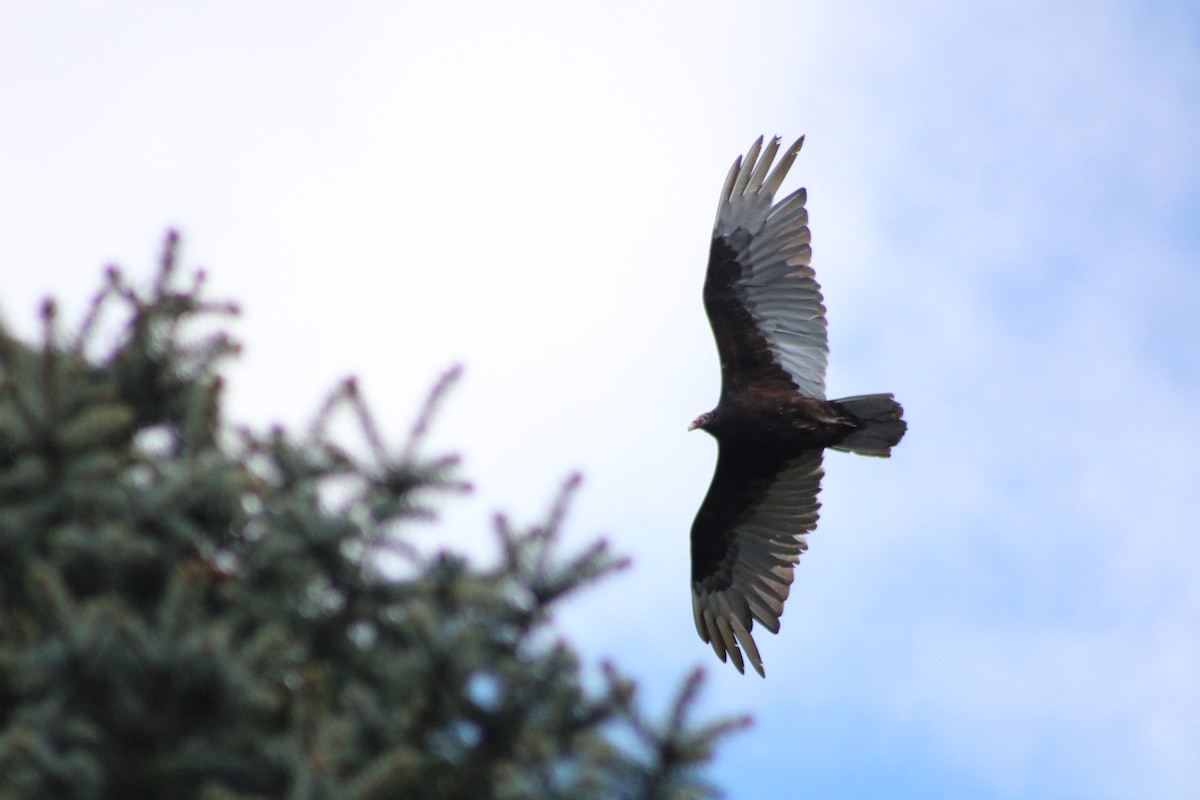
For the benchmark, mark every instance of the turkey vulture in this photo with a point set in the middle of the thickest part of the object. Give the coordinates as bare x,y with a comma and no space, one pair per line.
772,422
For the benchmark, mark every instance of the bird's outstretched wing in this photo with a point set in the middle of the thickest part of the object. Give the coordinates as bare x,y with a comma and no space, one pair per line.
746,541
763,302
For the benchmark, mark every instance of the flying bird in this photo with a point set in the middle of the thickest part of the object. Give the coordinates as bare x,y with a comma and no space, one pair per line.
772,422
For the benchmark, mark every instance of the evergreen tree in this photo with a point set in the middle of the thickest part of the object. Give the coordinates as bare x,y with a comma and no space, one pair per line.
193,611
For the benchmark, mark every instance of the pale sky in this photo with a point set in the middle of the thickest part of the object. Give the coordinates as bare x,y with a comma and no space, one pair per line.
1005,207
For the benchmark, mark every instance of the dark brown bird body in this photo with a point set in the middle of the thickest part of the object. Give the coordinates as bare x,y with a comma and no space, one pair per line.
772,421
779,423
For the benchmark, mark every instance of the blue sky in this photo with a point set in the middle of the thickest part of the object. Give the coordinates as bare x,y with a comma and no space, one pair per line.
1005,206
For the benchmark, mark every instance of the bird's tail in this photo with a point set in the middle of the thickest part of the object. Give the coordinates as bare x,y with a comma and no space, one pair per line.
880,424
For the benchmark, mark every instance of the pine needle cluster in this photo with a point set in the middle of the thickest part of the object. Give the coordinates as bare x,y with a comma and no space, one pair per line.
192,610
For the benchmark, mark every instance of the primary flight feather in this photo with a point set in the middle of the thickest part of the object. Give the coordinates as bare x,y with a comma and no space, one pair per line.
772,421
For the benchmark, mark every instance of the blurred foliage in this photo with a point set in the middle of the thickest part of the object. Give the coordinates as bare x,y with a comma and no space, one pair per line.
196,611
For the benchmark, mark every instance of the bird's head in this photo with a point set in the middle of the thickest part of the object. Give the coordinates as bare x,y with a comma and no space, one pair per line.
703,421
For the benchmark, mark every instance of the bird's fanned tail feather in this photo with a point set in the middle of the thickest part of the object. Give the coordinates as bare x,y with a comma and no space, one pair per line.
881,424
